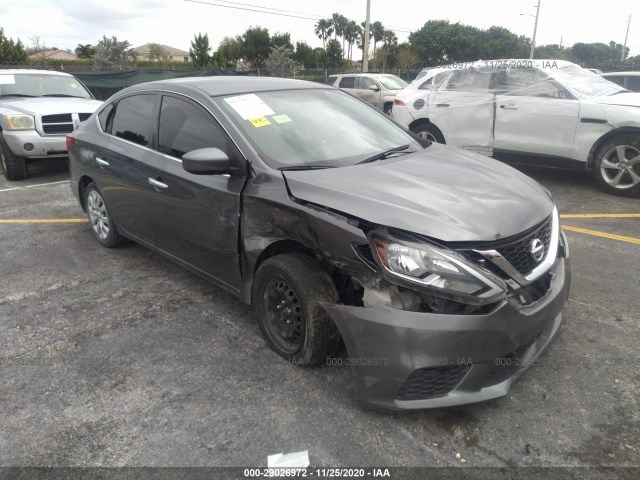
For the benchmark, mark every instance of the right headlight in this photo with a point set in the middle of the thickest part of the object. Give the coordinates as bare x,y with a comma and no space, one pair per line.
438,270
20,122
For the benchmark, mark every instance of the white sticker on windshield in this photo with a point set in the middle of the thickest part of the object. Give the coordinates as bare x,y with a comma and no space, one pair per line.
7,80
249,106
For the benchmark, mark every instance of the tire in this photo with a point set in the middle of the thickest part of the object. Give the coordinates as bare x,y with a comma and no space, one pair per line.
617,166
428,131
102,226
13,166
287,292
387,108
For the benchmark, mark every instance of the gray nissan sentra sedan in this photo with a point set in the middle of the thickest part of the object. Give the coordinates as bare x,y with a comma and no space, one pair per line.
443,272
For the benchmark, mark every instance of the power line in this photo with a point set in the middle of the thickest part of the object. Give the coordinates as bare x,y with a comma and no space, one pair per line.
274,11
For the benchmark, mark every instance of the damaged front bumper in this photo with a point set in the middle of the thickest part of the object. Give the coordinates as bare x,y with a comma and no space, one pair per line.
405,360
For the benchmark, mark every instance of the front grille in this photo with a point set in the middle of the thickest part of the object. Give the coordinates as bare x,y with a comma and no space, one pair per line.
515,249
432,382
84,116
57,118
54,129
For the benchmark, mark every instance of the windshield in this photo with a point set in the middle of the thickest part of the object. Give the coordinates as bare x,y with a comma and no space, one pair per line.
392,82
298,128
38,85
583,81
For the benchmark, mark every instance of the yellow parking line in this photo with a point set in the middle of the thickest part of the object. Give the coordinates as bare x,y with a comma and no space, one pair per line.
595,233
600,215
44,220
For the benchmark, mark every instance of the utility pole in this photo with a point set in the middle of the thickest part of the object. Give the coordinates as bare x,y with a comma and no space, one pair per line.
560,43
535,30
626,37
365,47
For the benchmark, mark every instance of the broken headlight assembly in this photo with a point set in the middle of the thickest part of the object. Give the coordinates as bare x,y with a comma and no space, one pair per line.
436,270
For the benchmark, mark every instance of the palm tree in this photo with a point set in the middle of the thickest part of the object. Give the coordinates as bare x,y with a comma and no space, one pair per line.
351,33
324,29
85,51
360,39
390,39
377,31
340,23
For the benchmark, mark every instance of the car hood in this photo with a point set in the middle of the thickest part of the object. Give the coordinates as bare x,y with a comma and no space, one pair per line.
441,192
631,99
50,105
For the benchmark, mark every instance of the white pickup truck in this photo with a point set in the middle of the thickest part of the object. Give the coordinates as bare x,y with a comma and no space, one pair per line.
38,109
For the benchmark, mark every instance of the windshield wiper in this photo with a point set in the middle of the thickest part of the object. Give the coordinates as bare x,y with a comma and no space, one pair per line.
304,167
383,155
60,95
16,95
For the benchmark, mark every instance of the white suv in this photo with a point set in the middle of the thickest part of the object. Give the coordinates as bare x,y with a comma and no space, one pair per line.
37,109
544,111
377,89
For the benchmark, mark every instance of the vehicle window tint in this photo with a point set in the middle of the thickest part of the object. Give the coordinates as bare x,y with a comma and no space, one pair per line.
533,83
331,80
132,120
364,83
617,79
469,80
185,127
348,82
633,84
103,117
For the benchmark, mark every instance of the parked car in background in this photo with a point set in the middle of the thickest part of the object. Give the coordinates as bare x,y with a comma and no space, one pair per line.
628,80
377,89
334,223
37,109
543,111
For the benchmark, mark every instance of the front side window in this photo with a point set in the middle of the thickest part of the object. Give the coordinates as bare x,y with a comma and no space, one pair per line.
470,80
313,127
348,82
133,118
531,82
103,117
365,83
185,127
391,82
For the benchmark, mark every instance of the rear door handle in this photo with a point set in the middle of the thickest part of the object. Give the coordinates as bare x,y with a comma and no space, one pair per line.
102,162
509,106
157,183
442,105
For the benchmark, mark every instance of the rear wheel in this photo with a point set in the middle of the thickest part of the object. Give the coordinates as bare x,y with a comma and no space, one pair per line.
617,166
287,292
13,166
430,132
387,108
102,226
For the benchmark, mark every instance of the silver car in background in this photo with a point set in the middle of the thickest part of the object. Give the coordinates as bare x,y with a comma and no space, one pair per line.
377,89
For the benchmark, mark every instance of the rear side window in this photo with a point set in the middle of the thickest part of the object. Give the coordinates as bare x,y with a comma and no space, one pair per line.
185,127
133,118
331,80
348,82
103,117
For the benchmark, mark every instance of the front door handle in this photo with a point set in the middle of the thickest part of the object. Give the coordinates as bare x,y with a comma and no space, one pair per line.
157,183
102,162
509,106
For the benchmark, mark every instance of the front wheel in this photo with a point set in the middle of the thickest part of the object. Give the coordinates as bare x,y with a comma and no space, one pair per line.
287,292
617,166
430,132
13,166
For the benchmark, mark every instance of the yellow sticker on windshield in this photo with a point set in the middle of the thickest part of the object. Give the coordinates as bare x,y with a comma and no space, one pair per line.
260,122
73,85
282,118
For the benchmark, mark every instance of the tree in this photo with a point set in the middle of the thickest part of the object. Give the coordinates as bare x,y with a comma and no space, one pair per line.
498,42
407,56
110,52
390,41
377,32
85,51
351,34
10,51
340,23
324,29
158,53
281,39
334,53
304,55
199,51
232,49
280,63
256,42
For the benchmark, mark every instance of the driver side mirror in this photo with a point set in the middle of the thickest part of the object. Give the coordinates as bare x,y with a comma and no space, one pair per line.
206,161
374,87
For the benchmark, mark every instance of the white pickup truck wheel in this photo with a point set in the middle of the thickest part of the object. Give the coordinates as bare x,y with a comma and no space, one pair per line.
14,167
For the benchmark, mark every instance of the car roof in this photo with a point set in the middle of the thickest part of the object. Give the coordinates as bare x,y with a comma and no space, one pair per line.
38,72
628,74
228,85
367,74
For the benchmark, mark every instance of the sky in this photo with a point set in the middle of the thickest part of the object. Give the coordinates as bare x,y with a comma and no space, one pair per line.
66,23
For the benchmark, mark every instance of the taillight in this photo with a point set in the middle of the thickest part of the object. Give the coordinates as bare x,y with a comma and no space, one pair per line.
70,140
400,103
